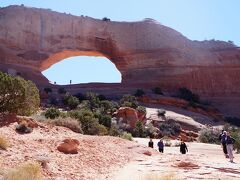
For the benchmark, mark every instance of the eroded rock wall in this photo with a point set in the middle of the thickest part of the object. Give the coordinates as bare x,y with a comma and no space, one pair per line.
146,53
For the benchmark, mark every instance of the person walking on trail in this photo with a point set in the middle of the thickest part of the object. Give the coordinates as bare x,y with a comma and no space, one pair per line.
222,138
229,142
183,147
160,146
150,143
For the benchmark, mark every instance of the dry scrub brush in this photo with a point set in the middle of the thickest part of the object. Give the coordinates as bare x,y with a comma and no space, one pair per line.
26,171
4,144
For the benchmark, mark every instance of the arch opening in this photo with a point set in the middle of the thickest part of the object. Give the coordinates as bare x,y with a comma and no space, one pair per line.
83,69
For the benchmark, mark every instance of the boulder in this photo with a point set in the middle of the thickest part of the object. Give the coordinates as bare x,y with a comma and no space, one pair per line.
130,116
69,146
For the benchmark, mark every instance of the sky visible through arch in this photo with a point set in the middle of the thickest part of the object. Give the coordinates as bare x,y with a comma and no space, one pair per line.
195,19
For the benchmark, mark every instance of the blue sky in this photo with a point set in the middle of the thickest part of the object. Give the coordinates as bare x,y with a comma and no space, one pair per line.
195,19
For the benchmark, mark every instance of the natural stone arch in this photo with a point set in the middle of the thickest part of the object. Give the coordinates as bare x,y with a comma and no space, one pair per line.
146,53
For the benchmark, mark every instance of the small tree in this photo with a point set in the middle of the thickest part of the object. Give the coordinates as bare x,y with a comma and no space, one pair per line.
52,113
157,90
18,95
62,90
70,101
188,95
139,129
129,101
139,93
47,90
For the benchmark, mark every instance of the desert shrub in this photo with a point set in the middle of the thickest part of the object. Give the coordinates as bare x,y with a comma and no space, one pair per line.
161,113
151,130
53,100
68,122
47,90
157,90
52,113
27,171
101,97
129,101
62,90
139,130
188,95
89,123
141,109
105,120
233,121
127,136
3,143
107,107
18,95
80,96
70,101
209,135
169,128
102,130
93,99
139,93
114,131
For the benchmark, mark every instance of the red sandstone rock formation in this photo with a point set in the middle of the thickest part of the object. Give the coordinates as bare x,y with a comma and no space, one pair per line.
69,146
146,52
130,116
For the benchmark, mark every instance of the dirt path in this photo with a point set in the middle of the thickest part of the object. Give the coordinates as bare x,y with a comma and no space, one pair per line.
204,161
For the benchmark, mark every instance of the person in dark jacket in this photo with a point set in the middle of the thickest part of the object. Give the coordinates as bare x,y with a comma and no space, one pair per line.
183,147
160,146
222,138
229,142
150,143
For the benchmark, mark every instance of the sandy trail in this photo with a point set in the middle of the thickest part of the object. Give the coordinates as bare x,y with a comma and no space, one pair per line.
204,161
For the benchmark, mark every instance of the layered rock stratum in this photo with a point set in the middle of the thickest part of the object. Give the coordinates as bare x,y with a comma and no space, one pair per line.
147,53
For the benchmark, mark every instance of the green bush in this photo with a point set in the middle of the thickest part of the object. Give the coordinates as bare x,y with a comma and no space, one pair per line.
102,130
161,113
129,101
18,95
90,124
157,90
52,113
62,90
70,101
80,96
139,93
127,136
105,120
93,99
209,135
169,128
141,109
139,130
47,90
114,131
188,95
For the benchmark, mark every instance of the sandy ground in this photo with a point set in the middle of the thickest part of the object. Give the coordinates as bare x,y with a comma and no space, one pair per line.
203,161
98,156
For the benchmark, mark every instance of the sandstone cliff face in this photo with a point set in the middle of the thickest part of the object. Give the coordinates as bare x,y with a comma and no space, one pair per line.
146,53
